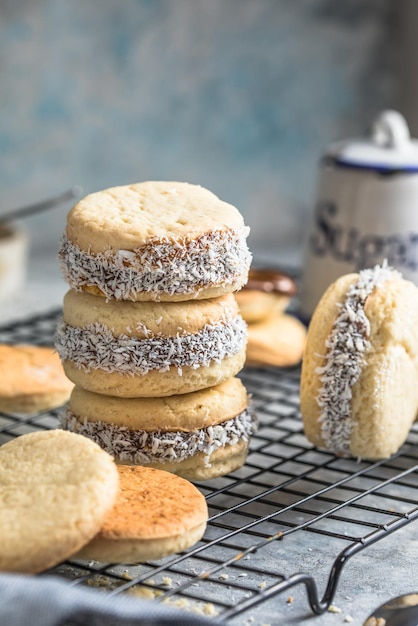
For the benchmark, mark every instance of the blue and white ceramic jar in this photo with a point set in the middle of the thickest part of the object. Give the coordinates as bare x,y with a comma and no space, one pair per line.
366,209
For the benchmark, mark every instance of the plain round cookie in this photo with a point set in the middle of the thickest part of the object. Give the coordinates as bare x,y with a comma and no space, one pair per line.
141,349
156,514
257,306
55,489
383,403
155,240
31,379
278,341
198,435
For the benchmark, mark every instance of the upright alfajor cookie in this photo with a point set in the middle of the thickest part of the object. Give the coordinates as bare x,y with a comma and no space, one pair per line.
141,349
359,392
56,488
155,240
199,435
155,514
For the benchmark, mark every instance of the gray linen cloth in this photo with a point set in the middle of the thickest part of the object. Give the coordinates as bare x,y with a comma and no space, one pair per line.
50,601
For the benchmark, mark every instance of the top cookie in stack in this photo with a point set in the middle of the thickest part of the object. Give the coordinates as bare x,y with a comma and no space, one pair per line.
151,314
155,240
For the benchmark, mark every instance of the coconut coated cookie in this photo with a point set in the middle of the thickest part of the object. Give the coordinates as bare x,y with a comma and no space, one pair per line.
141,349
56,488
155,240
155,514
359,393
31,379
199,435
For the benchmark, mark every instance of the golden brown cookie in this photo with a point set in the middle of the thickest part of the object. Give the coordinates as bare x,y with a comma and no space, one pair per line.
31,379
278,341
155,514
155,240
55,490
139,349
197,435
266,293
358,389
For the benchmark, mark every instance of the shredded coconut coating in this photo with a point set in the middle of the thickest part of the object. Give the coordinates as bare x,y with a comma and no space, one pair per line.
167,266
95,347
141,447
347,346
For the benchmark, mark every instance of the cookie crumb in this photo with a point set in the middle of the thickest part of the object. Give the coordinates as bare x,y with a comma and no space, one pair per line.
223,577
375,621
348,619
333,609
209,609
262,585
290,600
167,581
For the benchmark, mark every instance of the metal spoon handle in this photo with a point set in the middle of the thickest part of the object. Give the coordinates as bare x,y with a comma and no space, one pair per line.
70,194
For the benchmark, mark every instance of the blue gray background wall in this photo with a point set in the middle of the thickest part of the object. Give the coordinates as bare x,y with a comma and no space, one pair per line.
240,96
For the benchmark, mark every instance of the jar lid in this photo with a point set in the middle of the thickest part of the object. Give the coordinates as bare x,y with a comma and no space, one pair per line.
389,147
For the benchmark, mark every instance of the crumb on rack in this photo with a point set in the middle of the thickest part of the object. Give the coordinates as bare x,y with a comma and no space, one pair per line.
333,609
101,582
201,608
348,619
375,621
145,592
262,585
290,600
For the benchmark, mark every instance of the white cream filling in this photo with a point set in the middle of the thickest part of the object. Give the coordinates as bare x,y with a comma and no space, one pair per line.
345,357
141,447
95,347
183,266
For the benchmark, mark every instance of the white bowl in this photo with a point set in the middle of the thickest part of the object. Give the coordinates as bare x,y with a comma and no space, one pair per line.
13,257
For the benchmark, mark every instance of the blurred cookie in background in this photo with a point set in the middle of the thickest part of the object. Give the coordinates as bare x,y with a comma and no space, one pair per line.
267,292
275,338
32,379
278,341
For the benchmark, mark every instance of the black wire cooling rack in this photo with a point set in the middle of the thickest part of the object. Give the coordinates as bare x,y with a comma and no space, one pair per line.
292,515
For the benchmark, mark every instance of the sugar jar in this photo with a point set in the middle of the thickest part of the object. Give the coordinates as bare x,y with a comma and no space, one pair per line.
366,208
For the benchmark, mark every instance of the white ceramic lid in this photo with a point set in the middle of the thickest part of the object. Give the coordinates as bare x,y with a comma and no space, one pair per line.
388,148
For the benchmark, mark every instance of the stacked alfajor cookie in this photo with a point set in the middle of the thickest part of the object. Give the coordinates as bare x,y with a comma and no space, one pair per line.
151,333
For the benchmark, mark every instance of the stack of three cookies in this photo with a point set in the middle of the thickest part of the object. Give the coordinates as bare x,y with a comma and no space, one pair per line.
151,333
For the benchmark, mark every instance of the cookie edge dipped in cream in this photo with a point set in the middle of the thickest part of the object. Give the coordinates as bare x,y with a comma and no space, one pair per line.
358,394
